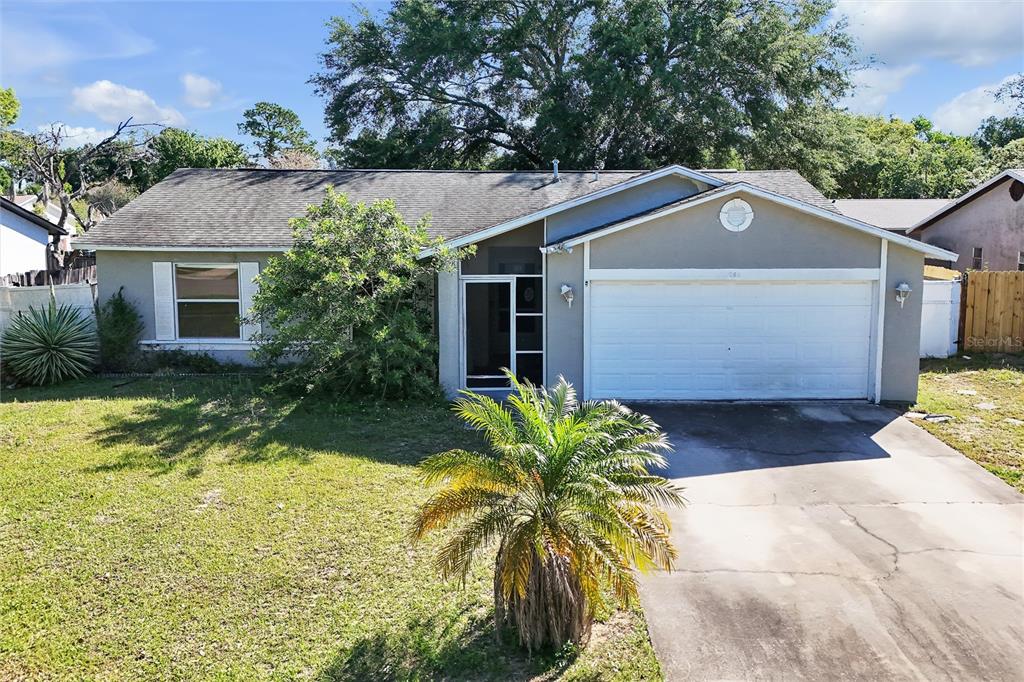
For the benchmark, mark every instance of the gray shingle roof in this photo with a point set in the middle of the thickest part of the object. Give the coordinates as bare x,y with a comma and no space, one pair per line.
891,214
251,207
788,183
226,207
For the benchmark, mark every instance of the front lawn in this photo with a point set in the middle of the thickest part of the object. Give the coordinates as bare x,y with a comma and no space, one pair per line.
985,397
190,528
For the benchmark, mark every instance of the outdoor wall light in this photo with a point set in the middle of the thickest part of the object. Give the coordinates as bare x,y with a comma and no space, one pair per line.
902,292
568,294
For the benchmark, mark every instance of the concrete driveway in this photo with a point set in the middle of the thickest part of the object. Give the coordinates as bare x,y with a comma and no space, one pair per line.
834,541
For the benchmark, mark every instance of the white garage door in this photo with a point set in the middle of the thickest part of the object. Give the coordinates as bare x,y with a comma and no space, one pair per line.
730,340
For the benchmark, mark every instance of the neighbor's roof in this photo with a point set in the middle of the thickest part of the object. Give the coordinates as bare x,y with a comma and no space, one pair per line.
29,215
891,214
1011,174
242,208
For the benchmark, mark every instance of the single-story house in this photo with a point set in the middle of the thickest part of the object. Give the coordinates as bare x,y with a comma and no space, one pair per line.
985,226
667,284
26,239
891,214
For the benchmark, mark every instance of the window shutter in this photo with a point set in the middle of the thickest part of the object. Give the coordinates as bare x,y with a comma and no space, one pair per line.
247,289
163,300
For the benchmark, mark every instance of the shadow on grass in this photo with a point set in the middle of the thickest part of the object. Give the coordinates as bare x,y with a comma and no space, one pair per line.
181,424
463,648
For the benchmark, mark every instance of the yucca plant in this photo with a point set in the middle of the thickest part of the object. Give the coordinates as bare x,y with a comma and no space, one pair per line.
567,496
49,345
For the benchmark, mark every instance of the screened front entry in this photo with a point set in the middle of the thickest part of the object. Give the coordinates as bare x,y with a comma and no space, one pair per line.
504,328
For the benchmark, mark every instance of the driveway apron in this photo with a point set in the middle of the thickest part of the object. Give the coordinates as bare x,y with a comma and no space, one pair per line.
833,541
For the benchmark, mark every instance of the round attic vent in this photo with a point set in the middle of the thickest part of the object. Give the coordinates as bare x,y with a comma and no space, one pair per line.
736,215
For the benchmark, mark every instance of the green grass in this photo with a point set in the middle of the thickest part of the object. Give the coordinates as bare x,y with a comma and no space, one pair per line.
992,437
169,528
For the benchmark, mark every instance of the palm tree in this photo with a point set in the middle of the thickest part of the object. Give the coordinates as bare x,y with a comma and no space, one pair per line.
566,495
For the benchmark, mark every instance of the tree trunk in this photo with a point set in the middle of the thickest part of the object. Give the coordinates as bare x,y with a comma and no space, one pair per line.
552,612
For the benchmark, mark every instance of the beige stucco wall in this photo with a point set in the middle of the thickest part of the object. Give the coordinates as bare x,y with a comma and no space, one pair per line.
564,342
902,340
779,237
134,271
993,221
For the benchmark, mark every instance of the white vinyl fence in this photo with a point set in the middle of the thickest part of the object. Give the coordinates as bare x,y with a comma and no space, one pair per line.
14,300
940,318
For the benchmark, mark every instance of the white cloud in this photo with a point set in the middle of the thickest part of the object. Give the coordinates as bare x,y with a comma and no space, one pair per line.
963,113
76,136
873,86
967,32
28,47
200,92
112,103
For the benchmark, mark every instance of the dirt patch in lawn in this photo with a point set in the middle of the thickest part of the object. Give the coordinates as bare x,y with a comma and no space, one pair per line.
984,395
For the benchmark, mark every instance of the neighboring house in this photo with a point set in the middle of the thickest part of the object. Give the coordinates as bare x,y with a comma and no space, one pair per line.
985,226
668,284
26,239
891,214
52,213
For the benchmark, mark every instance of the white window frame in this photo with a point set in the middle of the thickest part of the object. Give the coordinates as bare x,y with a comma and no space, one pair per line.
237,301
464,281
977,258
1020,261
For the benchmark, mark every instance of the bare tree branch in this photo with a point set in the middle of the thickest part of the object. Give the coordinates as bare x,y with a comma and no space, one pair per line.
48,157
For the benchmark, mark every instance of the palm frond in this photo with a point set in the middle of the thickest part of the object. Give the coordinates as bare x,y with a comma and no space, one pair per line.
568,494
450,504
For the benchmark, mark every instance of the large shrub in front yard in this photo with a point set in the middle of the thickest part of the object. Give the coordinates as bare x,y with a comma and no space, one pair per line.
119,326
566,495
350,303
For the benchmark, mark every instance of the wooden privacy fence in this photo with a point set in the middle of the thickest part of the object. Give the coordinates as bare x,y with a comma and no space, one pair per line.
993,313
41,278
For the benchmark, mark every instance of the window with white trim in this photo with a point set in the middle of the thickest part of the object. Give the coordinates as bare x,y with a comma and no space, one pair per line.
1020,261
207,301
976,261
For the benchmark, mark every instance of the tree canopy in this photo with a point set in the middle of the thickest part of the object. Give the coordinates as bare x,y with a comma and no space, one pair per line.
175,148
892,158
10,107
274,130
591,82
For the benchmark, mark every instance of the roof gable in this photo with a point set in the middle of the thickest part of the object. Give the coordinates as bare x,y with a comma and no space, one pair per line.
1011,174
743,187
31,216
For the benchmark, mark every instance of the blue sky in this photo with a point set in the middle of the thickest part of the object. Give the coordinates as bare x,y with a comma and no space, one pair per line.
200,64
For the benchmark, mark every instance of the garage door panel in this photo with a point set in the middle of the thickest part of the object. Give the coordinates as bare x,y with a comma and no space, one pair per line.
704,341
